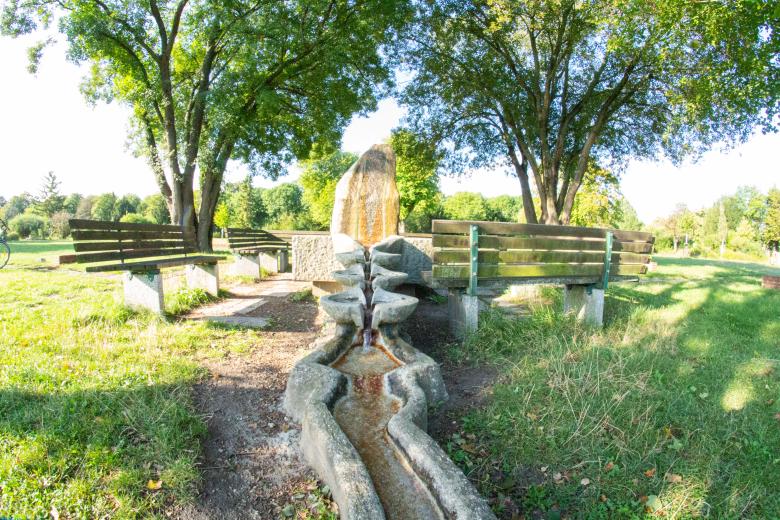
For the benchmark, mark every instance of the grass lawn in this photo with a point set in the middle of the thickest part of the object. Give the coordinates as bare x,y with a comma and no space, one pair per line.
673,409
96,416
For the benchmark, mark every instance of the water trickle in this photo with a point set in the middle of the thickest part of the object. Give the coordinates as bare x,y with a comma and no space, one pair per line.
363,415
368,312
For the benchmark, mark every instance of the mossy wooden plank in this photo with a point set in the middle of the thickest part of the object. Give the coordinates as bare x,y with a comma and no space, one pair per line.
509,228
538,243
88,235
115,245
461,256
155,264
76,223
106,256
494,271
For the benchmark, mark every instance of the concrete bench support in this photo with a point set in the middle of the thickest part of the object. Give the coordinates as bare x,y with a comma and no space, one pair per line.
284,261
463,311
203,276
144,291
246,265
585,303
269,261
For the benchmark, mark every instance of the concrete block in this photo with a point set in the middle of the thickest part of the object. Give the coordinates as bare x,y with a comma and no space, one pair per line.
246,265
284,261
144,291
323,288
203,276
463,311
585,303
269,261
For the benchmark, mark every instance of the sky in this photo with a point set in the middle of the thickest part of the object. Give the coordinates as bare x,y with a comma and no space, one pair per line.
46,125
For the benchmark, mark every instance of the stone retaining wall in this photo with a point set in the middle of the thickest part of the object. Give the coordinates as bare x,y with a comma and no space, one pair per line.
314,261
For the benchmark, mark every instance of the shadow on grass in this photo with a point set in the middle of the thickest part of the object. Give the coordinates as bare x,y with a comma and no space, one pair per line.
679,393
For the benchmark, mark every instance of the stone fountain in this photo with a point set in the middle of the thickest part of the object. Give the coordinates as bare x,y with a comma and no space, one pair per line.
362,396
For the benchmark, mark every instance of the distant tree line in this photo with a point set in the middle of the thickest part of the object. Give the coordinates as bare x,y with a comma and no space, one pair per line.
746,223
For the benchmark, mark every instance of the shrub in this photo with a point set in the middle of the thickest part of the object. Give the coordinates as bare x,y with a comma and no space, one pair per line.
60,228
29,226
12,236
135,218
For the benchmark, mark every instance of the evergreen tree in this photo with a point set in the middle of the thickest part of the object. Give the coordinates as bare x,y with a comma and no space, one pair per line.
50,200
772,220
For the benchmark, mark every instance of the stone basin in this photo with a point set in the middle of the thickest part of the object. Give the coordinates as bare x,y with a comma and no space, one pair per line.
390,307
346,306
353,276
388,260
385,278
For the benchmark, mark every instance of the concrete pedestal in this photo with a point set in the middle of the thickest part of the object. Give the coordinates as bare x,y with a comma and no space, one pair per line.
586,304
246,265
203,276
144,291
284,261
269,261
463,311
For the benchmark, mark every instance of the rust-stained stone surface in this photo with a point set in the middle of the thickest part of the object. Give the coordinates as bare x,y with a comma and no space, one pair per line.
367,204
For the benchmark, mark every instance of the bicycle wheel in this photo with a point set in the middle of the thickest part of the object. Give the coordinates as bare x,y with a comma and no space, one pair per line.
5,254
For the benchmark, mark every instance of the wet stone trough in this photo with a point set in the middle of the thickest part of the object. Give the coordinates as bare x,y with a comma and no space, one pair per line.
362,396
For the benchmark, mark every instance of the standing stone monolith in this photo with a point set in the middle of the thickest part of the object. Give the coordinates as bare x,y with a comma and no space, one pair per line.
367,203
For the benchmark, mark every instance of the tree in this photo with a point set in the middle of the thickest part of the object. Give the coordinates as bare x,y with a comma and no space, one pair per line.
629,218
156,210
415,171
544,87
127,204
71,203
84,209
598,203
208,81
504,208
245,206
283,205
104,207
723,228
771,234
321,172
16,205
465,206
50,199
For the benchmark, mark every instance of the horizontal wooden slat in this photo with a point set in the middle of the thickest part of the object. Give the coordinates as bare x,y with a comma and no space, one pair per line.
461,256
255,250
83,235
507,228
124,255
498,271
539,243
84,224
115,245
155,264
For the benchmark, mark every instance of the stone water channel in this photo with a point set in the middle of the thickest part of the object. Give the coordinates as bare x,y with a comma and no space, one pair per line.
362,396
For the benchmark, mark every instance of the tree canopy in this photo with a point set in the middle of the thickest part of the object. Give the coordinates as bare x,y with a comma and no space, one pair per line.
209,81
544,87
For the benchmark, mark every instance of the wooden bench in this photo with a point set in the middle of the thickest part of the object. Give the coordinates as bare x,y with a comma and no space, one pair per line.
472,256
257,250
140,251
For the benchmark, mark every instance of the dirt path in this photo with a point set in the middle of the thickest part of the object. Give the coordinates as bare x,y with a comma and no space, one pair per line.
251,463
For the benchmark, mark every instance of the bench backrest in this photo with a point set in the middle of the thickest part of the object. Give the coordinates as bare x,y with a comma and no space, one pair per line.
242,239
101,241
509,252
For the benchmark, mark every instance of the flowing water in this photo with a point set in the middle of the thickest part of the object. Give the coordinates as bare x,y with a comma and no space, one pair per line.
363,415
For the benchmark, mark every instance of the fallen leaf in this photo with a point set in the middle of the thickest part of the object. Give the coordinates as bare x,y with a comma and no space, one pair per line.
643,499
603,498
704,395
673,478
543,469
532,416
470,448
154,485
55,515
770,401
609,466
777,416
585,481
653,503
557,477
650,473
